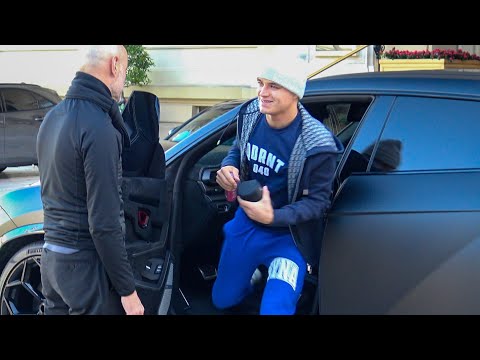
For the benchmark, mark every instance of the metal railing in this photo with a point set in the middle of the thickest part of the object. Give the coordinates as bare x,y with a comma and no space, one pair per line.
336,61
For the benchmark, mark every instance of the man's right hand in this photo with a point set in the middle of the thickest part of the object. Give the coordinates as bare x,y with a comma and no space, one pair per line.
132,304
228,177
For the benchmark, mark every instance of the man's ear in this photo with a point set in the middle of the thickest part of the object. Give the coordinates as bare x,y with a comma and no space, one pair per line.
114,65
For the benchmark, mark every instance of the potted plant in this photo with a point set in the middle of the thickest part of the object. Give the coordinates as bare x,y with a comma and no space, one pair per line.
436,59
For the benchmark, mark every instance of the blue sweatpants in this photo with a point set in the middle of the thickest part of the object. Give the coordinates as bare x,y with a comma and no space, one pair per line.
248,245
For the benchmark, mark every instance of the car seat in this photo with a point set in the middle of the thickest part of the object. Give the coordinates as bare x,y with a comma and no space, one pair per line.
145,201
145,156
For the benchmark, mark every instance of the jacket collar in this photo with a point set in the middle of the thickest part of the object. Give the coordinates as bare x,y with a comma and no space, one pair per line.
87,87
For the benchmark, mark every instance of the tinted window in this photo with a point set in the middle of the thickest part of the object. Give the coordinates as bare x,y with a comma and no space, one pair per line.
339,116
429,134
41,101
367,134
19,100
200,120
333,116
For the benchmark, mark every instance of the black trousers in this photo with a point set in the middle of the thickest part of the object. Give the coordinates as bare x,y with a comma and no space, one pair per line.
77,284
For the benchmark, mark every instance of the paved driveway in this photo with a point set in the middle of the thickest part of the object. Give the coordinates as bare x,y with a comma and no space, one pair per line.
15,177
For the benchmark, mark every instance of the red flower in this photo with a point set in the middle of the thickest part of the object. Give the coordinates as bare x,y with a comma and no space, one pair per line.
448,54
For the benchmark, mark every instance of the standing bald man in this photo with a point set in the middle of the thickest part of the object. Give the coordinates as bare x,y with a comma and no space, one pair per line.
84,264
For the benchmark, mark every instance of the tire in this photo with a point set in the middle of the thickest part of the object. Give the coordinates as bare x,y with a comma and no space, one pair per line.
2,168
20,282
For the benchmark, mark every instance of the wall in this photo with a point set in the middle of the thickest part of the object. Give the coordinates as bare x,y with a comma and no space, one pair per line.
185,77
51,66
202,75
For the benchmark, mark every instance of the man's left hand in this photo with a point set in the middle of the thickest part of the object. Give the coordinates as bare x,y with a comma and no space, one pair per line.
262,210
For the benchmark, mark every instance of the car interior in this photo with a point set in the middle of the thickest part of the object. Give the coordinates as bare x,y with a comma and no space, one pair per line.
198,212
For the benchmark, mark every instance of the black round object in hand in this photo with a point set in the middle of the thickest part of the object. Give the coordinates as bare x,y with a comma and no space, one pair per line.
250,190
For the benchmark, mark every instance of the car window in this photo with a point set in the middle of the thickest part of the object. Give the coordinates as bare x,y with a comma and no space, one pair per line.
336,117
430,134
200,120
341,117
19,100
340,114
367,134
42,102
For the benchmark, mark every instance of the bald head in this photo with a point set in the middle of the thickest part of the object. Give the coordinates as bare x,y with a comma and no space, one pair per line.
108,63
94,55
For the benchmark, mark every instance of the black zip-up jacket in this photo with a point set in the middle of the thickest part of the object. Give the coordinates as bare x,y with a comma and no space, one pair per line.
79,147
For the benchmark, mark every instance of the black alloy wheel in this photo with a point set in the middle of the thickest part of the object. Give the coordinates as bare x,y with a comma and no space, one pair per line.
21,287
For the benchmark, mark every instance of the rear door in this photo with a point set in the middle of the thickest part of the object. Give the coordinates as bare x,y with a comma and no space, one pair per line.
22,121
146,204
2,133
403,234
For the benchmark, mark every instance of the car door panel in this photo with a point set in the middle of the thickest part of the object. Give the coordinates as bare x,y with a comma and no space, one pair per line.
21,126
145,209
21,131
204,204
146,204
392,239
2,137
2,131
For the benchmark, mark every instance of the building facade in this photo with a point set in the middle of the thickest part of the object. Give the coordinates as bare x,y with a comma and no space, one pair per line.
187,78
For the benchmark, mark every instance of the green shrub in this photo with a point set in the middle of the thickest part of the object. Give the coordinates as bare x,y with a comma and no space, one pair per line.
139,63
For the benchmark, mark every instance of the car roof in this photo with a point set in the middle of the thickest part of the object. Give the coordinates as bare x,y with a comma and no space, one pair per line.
47,92
22,85
463,84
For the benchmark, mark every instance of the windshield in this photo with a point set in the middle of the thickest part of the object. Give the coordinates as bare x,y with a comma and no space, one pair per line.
201,119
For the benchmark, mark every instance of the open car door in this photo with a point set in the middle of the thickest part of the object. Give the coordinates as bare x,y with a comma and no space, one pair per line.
146,204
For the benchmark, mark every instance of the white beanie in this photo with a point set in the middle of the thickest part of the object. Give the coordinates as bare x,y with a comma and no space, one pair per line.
291,74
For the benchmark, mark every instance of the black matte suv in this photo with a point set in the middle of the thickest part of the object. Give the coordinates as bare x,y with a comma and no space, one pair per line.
402,235
22,108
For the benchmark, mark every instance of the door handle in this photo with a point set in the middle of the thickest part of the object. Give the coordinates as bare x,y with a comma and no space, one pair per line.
40,118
